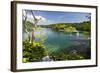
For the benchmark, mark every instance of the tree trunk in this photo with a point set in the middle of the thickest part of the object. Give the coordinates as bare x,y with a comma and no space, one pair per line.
33,37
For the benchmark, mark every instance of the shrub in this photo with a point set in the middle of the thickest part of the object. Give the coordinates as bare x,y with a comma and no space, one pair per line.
33,52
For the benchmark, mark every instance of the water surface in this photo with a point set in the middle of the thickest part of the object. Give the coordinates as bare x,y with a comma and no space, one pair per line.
59,41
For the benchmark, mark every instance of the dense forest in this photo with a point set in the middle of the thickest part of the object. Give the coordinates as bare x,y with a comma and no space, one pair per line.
83,26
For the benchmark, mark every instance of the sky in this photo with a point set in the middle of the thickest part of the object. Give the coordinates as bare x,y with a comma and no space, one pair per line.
52,17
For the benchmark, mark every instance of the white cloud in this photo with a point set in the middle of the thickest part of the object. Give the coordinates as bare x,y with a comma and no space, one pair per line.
41,18
30,18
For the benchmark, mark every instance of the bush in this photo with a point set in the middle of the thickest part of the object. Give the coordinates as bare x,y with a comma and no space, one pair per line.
75,57
33,52
60,56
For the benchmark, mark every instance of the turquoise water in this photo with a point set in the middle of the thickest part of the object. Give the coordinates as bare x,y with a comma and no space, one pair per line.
56,41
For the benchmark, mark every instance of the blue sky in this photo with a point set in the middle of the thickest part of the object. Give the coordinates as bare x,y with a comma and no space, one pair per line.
51,17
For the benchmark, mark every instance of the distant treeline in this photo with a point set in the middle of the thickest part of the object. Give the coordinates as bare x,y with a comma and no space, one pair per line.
84,26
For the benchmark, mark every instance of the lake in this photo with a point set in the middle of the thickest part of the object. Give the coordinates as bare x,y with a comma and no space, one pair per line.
60,41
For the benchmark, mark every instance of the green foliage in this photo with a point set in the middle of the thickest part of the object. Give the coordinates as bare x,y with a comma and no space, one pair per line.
70,29
75,57
33,52
83,26
63,27
25,60
60,56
